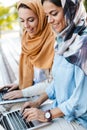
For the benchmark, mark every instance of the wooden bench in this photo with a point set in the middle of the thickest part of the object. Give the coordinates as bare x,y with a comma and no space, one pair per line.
10,49
4,78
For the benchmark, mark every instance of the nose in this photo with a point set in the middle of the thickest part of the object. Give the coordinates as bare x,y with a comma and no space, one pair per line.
26,24
50,19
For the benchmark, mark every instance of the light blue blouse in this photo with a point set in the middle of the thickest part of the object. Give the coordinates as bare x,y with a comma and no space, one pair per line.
39,75
69,90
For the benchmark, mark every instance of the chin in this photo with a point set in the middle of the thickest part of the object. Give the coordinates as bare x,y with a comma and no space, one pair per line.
56,30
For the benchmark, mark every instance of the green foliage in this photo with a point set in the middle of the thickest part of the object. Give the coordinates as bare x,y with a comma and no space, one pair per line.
8,16
85,4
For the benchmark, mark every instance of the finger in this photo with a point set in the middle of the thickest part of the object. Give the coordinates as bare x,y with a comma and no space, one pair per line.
31,117
5,96
28,113
10,89
9,96
25,113
23,107
3,87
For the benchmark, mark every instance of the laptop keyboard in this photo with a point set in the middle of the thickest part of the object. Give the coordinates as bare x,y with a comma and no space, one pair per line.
7,101
15,121
2,92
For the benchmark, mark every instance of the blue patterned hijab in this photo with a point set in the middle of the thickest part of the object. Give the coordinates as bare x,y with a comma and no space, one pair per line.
74,45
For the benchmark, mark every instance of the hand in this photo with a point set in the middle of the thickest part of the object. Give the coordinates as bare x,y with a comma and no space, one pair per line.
31,114
28,105
10,87
13,95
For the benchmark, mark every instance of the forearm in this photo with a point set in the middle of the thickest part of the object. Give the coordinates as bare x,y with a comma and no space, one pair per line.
42,99
56,112
36,89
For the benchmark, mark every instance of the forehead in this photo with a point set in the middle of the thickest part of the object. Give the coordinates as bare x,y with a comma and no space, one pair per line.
49,6
25,13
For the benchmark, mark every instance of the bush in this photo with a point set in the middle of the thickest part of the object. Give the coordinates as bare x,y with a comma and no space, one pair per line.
85,4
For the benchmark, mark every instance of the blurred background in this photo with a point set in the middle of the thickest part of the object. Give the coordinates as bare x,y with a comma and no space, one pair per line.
9,23
10,45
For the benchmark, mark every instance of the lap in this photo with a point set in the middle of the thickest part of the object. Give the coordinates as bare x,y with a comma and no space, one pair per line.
62,124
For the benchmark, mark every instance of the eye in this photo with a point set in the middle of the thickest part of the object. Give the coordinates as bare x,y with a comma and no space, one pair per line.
30,19
21,21
54,13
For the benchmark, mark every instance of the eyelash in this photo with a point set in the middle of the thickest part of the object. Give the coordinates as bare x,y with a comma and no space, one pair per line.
28,20
54,14
31,20
21,21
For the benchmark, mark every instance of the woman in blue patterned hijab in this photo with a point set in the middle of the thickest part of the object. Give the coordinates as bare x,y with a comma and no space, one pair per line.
75,18
69,86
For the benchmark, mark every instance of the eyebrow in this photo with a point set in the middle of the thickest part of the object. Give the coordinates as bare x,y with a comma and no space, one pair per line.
27,18
52,11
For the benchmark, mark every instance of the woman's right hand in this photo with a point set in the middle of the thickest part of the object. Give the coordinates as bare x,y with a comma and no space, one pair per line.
10,87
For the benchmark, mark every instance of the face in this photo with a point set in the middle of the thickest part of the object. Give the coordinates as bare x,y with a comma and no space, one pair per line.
55,16
29,20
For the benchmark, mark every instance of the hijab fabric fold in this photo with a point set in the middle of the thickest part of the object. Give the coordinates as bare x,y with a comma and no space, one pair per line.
38,50
74,44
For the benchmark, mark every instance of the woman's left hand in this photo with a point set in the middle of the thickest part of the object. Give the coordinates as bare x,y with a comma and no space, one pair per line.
13,95
31,114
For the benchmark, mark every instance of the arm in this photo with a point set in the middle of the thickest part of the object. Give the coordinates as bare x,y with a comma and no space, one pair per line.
56,112
39,114
36,89
41,99
36,114
75,106
36,103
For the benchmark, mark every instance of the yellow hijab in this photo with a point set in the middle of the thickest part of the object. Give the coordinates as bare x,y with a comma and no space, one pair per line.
37,51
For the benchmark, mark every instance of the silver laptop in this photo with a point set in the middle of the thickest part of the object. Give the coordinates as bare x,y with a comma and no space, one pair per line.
2,101
14,121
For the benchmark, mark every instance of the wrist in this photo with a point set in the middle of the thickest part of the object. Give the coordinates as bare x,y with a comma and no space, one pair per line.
38,103
48,115
21,94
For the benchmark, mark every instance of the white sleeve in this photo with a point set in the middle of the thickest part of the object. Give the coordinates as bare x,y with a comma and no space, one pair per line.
16,82
36,89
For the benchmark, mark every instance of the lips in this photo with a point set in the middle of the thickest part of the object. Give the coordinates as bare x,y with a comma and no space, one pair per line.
30,30
56,25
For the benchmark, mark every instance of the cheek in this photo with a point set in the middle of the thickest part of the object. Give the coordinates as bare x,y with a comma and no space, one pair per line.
63,23
60,25
35,24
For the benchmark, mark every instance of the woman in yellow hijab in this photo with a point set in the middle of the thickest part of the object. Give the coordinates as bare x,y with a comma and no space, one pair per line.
37,47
